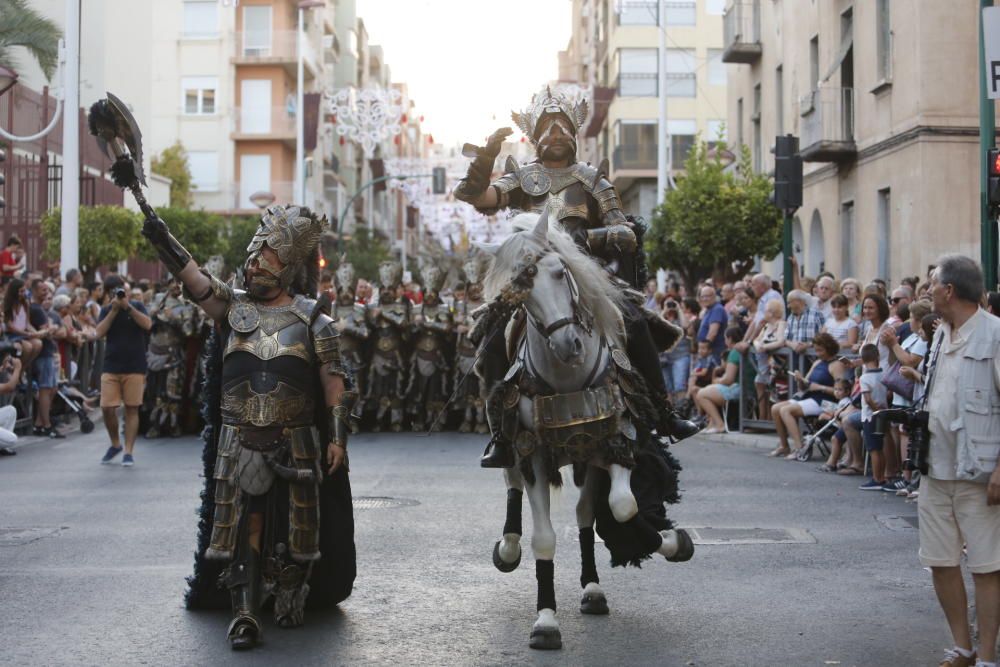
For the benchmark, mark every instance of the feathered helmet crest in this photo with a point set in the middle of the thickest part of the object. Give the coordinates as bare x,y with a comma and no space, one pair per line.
546,102
390,274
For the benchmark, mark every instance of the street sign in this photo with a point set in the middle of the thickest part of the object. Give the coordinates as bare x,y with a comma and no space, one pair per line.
991,44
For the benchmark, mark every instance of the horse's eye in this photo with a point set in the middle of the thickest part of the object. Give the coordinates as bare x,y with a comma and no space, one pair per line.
559,274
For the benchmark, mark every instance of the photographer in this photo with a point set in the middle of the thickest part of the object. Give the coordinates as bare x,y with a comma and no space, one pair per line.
124,324
959,498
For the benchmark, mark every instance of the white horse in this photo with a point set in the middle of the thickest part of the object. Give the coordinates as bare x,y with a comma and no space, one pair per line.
571,358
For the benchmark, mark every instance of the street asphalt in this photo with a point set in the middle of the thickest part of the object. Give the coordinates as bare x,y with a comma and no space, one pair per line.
93,560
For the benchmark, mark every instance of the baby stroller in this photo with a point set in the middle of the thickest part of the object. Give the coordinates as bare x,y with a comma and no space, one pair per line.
73,401
817,436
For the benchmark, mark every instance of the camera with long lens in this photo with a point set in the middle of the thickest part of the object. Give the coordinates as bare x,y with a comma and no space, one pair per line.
915,422
119,293
8,348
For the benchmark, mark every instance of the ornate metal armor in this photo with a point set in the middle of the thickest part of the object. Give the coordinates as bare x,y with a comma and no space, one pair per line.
427,392
389,321
173,321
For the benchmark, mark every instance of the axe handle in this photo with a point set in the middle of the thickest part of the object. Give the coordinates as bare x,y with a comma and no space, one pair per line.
140,199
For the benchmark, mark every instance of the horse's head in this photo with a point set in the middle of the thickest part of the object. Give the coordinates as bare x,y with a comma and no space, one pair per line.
552,296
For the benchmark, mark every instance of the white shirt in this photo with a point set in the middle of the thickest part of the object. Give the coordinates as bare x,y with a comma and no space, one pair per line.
762,304
839,330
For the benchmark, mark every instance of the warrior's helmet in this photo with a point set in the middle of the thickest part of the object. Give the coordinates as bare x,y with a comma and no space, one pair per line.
293,233
390,274
545,103
474,268
345,280
433,277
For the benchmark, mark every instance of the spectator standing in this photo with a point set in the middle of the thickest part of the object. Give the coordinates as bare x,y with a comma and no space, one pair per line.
676,363
824,292
873,397
74,279
726,295
875,316
46,366
770,338
840,324
12,262
851,289
960,496
713,322
16,325
123,324
901,297
650,295
804,322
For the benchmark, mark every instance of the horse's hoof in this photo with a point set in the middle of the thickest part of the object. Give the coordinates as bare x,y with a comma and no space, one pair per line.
594,603
545,639
500,563
685,547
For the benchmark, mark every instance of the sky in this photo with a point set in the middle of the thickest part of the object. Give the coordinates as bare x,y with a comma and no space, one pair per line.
469,63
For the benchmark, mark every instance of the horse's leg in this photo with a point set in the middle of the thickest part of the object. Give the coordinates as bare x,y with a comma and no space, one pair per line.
674,544
545,631
507,551
593,601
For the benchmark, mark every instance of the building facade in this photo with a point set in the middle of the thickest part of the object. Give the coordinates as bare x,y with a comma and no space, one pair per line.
614,50
884,97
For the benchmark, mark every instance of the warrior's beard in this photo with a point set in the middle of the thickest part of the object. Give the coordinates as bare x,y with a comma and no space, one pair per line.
563,150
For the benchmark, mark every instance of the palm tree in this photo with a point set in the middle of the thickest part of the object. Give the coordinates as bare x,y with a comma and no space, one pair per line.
20,25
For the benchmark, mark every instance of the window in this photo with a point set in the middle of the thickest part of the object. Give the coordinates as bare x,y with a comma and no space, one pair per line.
715,130
715,7
680,13
716,68
758,155
883,47
257,30
883,231
847,238
637,72
637,145
201,19
204,167
681,66
198,95
779,100
814,63
682,134
632,12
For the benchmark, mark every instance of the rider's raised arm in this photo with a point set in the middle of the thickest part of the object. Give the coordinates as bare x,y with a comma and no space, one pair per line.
475,188
205,289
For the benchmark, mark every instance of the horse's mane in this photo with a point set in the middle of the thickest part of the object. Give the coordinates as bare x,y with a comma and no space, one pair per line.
597,293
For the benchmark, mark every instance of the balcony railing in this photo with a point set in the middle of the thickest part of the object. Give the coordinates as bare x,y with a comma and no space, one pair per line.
827,125
635,156
266,46
741,32
637,85
263,122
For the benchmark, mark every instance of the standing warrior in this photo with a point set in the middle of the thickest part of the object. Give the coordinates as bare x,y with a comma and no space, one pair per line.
280,372
389,320
472,400
427,393
354,331
165,357
586,206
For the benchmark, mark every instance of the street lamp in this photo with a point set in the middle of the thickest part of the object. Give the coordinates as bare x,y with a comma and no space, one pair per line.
262,199
300,190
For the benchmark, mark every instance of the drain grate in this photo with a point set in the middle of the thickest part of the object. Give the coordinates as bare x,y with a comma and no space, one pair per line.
893,522
381,502
16,537
735,536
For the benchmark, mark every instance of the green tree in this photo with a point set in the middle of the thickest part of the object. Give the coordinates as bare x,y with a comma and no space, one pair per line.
234,244
715,222
200,232
366,251
173,163
108,234
20,25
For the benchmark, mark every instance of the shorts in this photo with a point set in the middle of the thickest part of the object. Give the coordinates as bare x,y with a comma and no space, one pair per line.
953,513
809,406
118,388
47,372
840,436
730,392
873,442
763,368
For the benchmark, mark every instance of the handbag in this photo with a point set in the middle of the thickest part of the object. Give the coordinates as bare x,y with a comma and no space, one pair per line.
896,383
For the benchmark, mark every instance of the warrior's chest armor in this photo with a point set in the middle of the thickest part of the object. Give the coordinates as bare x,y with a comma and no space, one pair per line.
565,191
269,364
349,343
430,339
388,334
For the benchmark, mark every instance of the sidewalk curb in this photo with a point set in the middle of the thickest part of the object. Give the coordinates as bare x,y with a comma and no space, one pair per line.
737,439
30,440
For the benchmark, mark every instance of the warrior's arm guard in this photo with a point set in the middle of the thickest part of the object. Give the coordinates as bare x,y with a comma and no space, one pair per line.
399,319
619,237
340,424
476,180
173,255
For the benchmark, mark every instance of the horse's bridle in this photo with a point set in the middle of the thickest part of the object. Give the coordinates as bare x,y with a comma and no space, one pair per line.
581,316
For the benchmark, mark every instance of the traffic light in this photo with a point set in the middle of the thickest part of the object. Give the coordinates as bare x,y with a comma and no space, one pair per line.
438,179
992,176
3,157
787,172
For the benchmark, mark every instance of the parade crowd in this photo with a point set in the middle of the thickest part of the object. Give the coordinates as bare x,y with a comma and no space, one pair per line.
812,365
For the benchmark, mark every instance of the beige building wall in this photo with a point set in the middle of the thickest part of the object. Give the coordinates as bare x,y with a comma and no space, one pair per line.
907,190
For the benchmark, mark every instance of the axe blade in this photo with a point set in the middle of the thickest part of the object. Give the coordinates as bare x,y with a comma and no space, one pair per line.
128,131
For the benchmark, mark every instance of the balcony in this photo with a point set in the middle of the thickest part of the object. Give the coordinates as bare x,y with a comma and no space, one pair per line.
741,33
634,157
276,47
262,124
827,125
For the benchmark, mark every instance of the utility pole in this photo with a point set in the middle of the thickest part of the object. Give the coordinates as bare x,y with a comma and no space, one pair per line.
69,239
987,131
663,142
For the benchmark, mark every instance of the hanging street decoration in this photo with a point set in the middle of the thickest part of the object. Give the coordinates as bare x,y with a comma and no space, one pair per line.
368,116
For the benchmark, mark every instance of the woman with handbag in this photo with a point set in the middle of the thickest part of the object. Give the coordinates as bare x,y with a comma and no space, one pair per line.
908,353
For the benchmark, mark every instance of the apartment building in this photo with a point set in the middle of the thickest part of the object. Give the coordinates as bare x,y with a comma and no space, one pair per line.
884,97
614,50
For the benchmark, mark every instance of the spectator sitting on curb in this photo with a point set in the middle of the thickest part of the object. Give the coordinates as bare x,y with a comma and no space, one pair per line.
842,392
10,376
712,399
124,324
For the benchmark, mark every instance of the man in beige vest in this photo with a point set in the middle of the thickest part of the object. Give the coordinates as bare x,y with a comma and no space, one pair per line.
960,497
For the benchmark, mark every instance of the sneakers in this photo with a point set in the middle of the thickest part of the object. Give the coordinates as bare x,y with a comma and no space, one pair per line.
111,454
894,485
952,658
871,485
128,461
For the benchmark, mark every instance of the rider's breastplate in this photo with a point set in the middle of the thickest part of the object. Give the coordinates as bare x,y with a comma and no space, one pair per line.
388,336
566,198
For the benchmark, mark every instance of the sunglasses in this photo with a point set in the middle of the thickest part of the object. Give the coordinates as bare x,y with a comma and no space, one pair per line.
896,299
